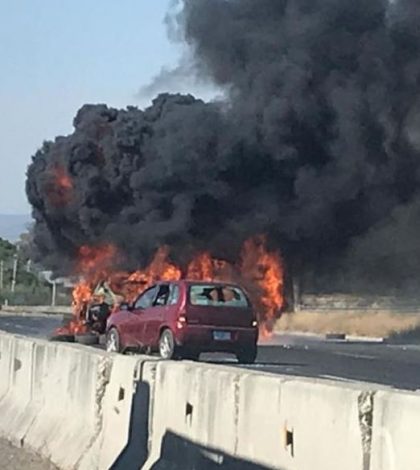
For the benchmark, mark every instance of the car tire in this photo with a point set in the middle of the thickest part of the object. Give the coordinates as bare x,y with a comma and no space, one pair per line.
88,339
62,338
167,345
113,341
247,356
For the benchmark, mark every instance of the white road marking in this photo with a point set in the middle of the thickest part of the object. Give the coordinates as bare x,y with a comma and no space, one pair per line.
355,356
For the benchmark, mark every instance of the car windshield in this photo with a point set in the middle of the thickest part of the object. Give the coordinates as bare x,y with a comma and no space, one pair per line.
217,295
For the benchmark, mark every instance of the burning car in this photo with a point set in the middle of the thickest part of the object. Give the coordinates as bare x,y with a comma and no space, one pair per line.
103,288
91,310
183,319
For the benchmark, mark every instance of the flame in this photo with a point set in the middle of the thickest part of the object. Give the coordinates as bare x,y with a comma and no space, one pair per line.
259,270
82,293
159,269
201,268
96,263
265,270
59,187
62,179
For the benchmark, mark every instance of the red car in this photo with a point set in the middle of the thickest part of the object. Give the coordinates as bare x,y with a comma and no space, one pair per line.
183,319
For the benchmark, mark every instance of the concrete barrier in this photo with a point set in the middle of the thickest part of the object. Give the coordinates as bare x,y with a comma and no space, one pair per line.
88,410
396,419
263,421
17,408
6,363
198,403
70,386
52,397
295,423
69,403
122,440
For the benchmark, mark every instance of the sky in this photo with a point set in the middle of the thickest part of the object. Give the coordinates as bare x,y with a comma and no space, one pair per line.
56,56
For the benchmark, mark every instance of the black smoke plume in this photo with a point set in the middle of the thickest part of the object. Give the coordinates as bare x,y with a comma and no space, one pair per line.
317,145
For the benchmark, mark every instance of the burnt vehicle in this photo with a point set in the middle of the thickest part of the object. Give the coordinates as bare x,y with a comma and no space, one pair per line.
88,321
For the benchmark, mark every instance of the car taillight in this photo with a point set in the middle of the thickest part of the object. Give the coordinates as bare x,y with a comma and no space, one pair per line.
182,321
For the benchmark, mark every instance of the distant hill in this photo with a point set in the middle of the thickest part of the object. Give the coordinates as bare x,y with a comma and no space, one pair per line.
11,226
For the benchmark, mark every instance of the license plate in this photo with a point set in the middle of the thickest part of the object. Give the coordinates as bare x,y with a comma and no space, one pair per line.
222,335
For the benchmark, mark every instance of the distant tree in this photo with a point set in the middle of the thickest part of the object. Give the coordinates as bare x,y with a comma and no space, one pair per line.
7,250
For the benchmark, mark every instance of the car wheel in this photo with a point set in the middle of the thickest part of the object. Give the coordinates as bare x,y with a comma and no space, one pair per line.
247,356
62,338
88,339
113,341
167,346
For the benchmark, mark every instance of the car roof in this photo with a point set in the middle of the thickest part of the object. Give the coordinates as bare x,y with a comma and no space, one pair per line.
189,282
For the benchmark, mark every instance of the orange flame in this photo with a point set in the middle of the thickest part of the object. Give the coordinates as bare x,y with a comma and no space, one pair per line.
62,179
82,294
201,268
96,262
265,271
159,269
259,270
60,187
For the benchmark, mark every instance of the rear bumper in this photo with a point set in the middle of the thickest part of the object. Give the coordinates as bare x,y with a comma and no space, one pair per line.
200,338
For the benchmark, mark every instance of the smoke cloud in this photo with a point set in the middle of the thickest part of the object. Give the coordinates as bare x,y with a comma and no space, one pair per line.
317,145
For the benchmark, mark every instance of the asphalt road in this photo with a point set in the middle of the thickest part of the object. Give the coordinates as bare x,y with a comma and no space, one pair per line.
392,365
36,326
395,365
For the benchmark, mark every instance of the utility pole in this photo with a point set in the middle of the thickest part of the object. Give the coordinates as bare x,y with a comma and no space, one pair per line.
296,293
54,293
1,275
15,264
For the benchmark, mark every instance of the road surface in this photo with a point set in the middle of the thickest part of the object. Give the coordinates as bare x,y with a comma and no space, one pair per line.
395,365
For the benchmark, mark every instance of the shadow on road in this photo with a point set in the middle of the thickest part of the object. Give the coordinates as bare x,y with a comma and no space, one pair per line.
134,455
257,364
179,453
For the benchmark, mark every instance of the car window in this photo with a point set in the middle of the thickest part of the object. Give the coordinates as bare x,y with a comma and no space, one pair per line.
173,294
217,296
146,299
162,296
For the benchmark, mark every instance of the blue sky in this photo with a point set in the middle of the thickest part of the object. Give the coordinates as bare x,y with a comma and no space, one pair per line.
56,56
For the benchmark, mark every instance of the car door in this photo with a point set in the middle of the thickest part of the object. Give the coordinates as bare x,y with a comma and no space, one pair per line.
140,314
154,317
126,325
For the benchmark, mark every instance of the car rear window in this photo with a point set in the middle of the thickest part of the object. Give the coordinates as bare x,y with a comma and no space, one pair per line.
217,295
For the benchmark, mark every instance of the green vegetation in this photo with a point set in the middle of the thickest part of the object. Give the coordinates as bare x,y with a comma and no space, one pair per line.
30,287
